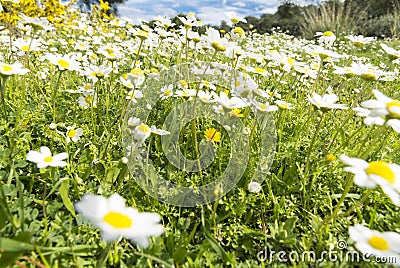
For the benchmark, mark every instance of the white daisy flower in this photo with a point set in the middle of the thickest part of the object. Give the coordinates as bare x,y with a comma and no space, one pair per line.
44,158
381,110
166,91
391,52
133,95
284,105
214,39
374,243
264,107
73,133
360,40
143,131
205,96
369,175
230,103
234,17
10,69
327,37
88,99
114,219
325,102
63,62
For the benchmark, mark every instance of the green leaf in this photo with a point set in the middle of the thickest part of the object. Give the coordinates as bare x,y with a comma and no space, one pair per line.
64,188
3,217
215,245
8,244
13,248
112,174
21,164
290,224
56,186
180,255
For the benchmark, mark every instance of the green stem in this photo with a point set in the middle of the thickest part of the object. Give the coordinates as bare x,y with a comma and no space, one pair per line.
103,257
196,146
310,149
55,96
137,55
3,104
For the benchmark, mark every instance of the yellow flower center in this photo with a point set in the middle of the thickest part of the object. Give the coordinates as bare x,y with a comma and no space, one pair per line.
358,44
87,86
63,63
71,133
117,220
142,34
217,46
7,68
381,169
99,74
291,61
183,83
48,159
283,106
378,243
137,72
259,70
144,128
25,48
167,92
328,34
369,76
390,106
234,20
239,31
88,99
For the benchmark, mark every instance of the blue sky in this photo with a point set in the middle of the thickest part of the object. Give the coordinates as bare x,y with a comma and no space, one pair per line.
209,11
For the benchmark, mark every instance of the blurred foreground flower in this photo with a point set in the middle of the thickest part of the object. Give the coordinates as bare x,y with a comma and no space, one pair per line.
374,243
381,110
44,158
114,219
369,175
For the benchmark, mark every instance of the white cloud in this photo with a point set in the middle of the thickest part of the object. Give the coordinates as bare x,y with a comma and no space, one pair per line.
239,4
134,13
164,11
209,11
266,10
214,15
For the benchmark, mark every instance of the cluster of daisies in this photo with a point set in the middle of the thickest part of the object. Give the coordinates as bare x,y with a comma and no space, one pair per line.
119,54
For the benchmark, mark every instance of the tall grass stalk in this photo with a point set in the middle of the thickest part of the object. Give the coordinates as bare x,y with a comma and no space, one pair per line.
333,16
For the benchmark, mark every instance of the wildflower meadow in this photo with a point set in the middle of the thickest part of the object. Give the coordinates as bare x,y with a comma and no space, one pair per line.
149,145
